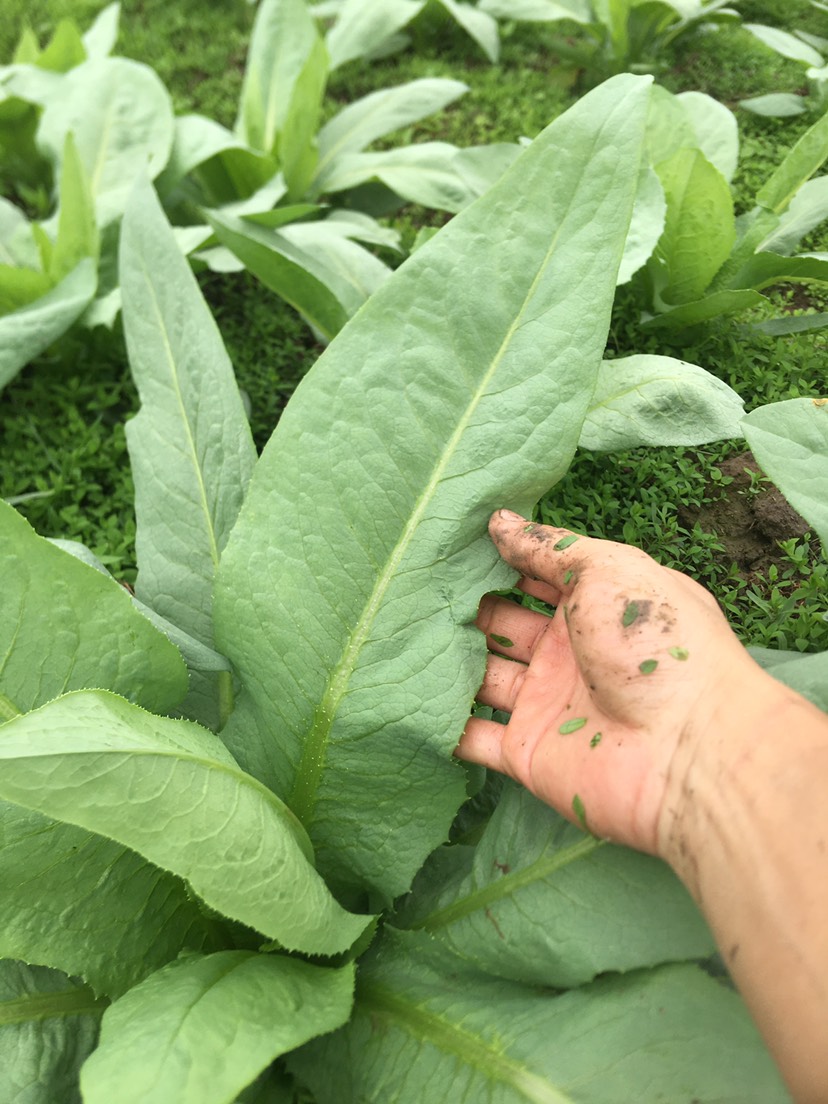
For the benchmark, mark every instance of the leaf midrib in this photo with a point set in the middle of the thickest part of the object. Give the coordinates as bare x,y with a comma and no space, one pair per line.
508,885
439,1032
45,1006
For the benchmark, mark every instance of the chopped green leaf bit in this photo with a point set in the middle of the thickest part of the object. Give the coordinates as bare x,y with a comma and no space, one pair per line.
565,542
596,739
679,653
648,666
579,811
568,578
572,726
630,614
528,528
503,641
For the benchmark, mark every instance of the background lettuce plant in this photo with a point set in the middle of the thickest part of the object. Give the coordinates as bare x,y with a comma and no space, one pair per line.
800,46
253,196
708,262
217,889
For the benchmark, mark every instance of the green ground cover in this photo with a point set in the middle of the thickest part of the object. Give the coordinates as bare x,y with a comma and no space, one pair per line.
64,460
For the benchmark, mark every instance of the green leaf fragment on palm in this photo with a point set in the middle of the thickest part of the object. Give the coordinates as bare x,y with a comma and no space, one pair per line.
572,726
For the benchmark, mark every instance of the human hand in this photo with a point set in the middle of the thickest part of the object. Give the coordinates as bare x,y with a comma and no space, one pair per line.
637,662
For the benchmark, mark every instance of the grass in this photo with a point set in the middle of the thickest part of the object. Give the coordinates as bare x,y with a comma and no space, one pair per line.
63,447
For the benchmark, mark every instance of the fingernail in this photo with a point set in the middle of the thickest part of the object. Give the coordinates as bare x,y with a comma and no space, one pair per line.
510,515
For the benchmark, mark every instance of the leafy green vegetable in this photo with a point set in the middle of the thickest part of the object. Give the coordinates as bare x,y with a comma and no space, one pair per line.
203,1028
191,436
93,760
313,610
421,1018
48,1025
537,902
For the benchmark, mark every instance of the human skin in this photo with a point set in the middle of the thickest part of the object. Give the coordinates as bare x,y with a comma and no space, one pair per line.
702,759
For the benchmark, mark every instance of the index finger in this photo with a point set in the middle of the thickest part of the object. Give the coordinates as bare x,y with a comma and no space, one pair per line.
549,558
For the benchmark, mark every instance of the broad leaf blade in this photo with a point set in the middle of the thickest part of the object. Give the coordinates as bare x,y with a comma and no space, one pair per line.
784,43
27,332
803,160
716,130
421,1019
699,230
191,437
48,1026
481,26
170,791
91,907
121,116
658,400
99,40
703,310
361,29
202,1029
538,901
776,105
64,626
364,121
806,211
349,611
790,442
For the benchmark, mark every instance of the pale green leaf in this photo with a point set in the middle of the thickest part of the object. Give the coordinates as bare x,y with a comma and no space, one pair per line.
647,224
99,40
191,436
26,332
77,230
776,105
283,83
64,626
202,1029
807,209
122,119
699,229
379,113
198,140
361,29
790,442
767,268
17,245
789,323
48,1025
539,11
21,287
657,400
348,614
170,791
807,674
703,310
784,43
800,164
716,130
668,1034
282,268
539,901
77,901
481,26
65,49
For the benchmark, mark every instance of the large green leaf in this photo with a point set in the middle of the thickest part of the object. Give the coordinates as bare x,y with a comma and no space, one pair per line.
540,902
100,39
191,437
170,791
364,121
715,129
203,144
807,674
776,105
48,1025
766,268
800,164
122,119
807,209
658,400
26,332
481,26
89,906
790,442
202,1029
711,306
699,230
268,254
64,626
283,86
784,43
347,591
426,1028
539,11
361,29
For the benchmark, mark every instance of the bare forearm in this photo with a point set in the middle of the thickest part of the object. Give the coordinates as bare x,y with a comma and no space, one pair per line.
747,830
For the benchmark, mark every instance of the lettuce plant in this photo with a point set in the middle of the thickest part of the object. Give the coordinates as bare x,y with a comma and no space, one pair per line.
800,46
618,35
255,196
219,865
708,262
